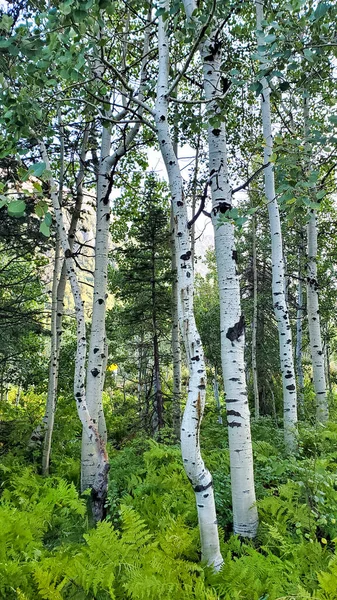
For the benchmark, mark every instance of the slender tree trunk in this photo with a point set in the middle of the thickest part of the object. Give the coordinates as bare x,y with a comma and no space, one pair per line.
196,471
278,272
254,323
97,345
175,341
315,337
99,487
232,320
48,421
216,395
327,360
158,420
299,337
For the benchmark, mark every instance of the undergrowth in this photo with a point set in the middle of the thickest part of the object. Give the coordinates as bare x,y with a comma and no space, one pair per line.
148,547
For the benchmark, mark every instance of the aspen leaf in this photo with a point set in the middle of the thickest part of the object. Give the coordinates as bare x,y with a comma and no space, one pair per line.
16,208
44,229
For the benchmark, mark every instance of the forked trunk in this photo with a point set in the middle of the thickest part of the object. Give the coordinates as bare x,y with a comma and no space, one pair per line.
196,471
99,486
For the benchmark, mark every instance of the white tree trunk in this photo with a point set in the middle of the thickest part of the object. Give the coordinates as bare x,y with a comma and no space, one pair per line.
299,338
196,471
175,341
99,486
57,304
315,337
254,323
278,273
232,320
97,345
48,421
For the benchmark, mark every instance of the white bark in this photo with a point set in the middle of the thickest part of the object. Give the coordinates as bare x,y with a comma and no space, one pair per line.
175,342
48,421
232,320
100,483
59,280
322,411
315,337
278,274
299,338
196,471
254,323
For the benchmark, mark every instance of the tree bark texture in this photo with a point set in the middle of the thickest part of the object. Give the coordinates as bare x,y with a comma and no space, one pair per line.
299,337
175,341
254,323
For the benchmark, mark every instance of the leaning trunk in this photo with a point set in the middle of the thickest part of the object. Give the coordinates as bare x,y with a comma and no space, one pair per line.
278,272
196,471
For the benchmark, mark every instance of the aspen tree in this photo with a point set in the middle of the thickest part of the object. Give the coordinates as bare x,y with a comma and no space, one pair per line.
314,326
99,484
196,471
231,318
98,343
278,271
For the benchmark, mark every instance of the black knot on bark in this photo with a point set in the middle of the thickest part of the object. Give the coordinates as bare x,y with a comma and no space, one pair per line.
186,256
100,301
94,372
233,333
216,132
222,207
68,253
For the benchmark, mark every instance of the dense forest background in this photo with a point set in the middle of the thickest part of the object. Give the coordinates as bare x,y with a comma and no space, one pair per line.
168,413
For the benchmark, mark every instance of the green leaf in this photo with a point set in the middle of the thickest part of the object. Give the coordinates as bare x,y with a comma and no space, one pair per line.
48,219
41,208
309,55
321,10
333,119
44,229
37,169
284,85
270,38
16,208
